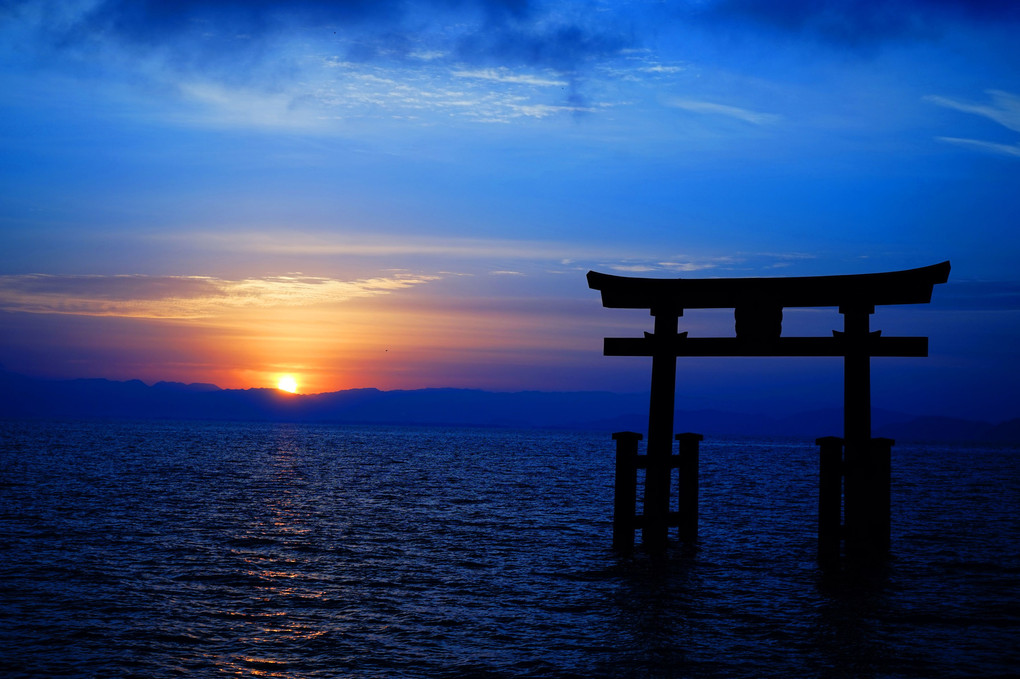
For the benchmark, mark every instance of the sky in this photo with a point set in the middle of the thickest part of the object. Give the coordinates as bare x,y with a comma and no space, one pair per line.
408,193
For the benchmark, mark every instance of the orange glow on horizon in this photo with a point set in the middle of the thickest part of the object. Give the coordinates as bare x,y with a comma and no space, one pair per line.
406,341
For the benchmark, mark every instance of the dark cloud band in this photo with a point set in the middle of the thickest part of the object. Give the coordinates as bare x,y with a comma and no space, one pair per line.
510,32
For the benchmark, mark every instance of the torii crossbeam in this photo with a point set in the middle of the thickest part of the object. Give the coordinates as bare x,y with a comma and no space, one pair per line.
758,305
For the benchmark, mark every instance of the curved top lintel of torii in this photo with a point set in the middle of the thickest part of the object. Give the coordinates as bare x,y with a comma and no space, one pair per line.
910,286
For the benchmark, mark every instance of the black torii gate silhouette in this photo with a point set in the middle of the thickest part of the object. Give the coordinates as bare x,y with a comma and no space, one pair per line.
854,469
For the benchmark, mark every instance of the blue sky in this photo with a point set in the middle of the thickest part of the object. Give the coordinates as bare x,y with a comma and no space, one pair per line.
408,193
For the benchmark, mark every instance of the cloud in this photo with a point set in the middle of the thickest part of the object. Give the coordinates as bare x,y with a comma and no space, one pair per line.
633,268
678,265
330,245
184,297
1004,109
711,108
662,69
466,255
863,23
695,265
738,263
986,146
504,75
246,106
374,94
202,33
310,64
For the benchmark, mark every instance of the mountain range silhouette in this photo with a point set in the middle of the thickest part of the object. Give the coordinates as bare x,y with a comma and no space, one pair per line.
28,397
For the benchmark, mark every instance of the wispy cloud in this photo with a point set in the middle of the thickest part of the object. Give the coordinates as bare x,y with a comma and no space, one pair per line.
633,268
334,92
330,245
225,50
185,297
987,146
695,265
662,69
739,263
505,75
677,265
499,256
230,107
712,108
1004,109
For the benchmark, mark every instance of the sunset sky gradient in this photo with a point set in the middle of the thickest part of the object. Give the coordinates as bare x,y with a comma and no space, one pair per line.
405,194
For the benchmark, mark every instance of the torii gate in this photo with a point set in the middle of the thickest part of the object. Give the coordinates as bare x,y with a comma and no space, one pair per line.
758,311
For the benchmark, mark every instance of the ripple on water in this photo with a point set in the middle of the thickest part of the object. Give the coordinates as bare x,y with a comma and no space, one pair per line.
156,549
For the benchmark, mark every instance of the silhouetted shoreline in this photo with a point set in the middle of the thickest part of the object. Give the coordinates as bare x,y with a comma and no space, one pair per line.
26,397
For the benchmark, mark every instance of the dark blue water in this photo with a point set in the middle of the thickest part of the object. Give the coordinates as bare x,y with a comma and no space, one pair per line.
271,550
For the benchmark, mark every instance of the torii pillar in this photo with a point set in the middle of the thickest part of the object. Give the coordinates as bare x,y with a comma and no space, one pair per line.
856,422
662,403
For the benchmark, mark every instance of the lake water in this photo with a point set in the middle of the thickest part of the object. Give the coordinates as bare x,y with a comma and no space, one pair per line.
157,549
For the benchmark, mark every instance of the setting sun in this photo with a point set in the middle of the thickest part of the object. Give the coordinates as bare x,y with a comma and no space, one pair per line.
287,383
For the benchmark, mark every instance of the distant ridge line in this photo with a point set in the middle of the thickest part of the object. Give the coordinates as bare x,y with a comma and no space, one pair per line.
26,397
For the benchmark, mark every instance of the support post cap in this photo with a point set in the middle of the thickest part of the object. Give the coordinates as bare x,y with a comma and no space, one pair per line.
625,435
688,436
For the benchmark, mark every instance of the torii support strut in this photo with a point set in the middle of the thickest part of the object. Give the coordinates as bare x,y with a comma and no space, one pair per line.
758,305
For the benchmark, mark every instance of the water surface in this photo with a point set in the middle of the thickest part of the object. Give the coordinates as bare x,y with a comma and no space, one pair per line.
161,549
